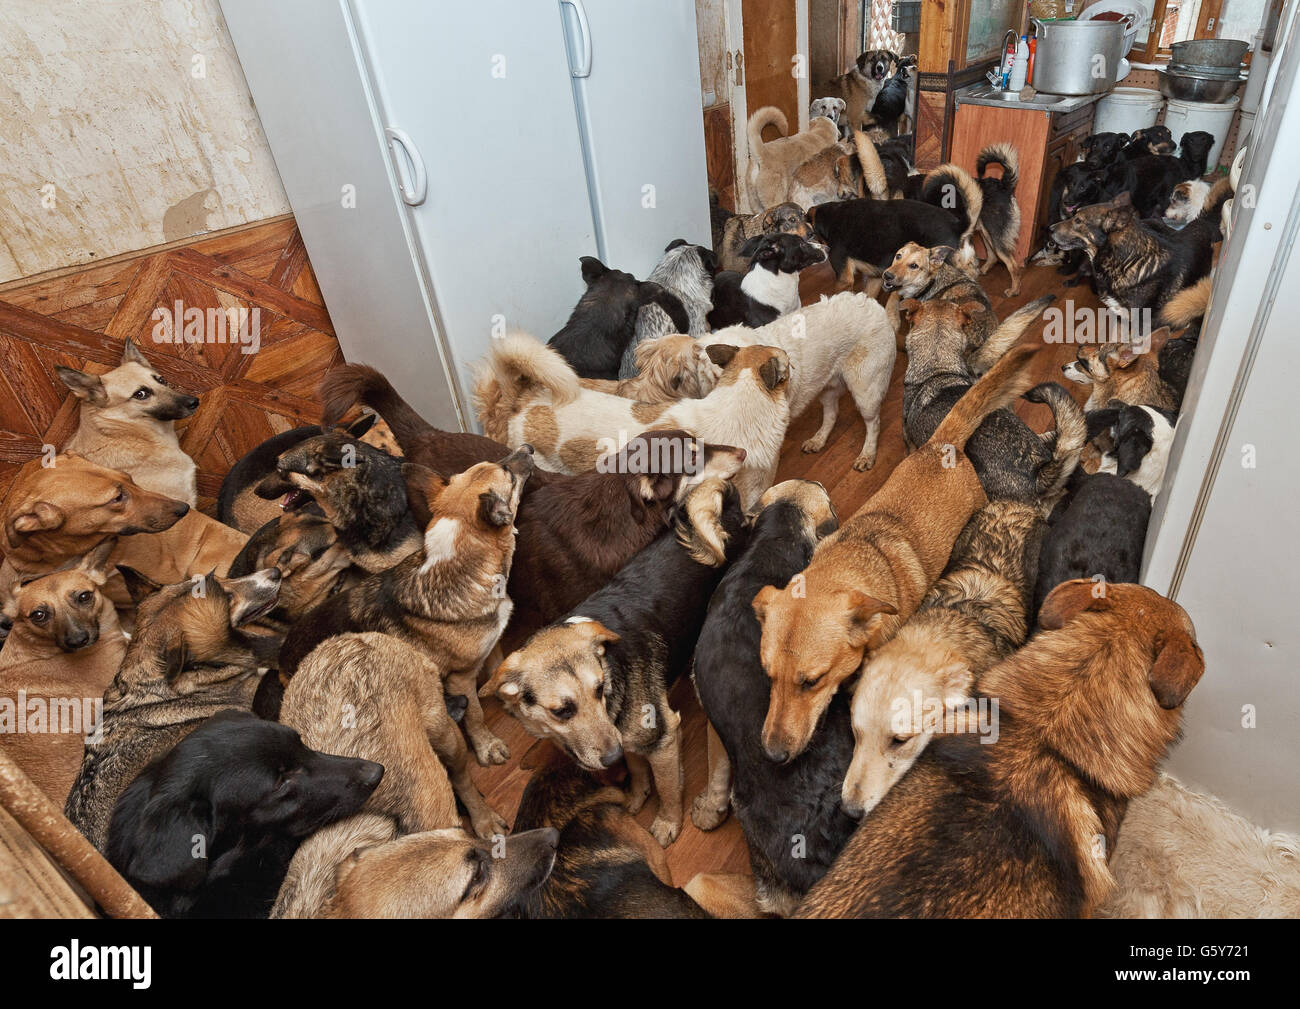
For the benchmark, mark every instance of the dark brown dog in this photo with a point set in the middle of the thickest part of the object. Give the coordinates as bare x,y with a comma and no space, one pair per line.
1022,827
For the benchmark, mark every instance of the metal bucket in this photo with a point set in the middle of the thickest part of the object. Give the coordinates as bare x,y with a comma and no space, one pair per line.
1077,57
1209,52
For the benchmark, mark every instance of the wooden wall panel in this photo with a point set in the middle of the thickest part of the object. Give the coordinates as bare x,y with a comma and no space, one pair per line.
770,47
720,154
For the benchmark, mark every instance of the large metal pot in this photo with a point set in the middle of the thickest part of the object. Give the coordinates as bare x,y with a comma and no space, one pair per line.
1077,57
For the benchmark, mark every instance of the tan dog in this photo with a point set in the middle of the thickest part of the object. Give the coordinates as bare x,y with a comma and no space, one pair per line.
872,573
1023,827
772,164
126,424
1125,371
784,218
669,367
860,85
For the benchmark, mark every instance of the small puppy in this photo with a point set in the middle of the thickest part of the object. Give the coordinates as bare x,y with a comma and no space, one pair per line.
1022,828
1100,151
772,164
125,424
999,220
1149,140
784,218
1124,371
773,802
603,322
207,830
1141,437
597,681
770,288
976,615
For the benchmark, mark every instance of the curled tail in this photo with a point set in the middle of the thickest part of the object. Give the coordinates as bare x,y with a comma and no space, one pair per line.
1067,441
873,169
1218,195
1002,386
1004,155
517,368
950,187
1187,305
1008,334
768,115
349,384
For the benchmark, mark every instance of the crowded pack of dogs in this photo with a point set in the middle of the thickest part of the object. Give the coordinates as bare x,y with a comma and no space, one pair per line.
939,705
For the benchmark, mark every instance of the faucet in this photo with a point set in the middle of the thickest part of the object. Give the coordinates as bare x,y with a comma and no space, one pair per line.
1011,36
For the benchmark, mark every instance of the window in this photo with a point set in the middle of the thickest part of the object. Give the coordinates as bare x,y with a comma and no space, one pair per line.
1180,20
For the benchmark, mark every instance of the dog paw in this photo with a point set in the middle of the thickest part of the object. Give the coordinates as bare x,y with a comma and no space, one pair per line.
488,824
706,814
863,463
636,799
664,831
491,750
813,445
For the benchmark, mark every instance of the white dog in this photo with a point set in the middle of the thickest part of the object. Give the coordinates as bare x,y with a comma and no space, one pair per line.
832,109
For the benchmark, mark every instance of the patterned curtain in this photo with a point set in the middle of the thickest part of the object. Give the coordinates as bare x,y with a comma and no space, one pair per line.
879,34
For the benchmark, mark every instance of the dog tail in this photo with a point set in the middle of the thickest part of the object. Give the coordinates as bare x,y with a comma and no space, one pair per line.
1002,386
1211,214
768,115
349,384
1187,305
873,169
1004,155
1008,334
1070,436
518,367
950,187
702,532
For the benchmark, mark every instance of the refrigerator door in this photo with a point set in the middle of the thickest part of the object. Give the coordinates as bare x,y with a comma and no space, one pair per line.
477,102
636,86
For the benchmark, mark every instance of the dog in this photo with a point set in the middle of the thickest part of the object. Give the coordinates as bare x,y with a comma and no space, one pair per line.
1100,151
1187,201
999,217
63,649
1138,264
833,109
1126,371
449,598
842,342
860,85
1150,178
772,164
603,322
976,615
1140,439
870,575
685,271
668,367
738,229
1012,461
770,288
126,423
607,864
891,105
527,392
575,531
251,791
1089,707
189,659
833,173
596,682
1149,140
773,802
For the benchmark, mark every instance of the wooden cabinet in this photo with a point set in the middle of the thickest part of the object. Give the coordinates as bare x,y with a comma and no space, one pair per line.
1045,141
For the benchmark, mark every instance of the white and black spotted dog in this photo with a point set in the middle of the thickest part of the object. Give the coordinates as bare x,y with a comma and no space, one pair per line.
687,271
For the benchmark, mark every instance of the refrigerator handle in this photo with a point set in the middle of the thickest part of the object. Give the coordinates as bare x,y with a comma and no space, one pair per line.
412,195
584,70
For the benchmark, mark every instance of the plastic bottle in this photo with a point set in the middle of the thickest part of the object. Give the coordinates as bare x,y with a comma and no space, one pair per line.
1033,50
1008,64
1020,65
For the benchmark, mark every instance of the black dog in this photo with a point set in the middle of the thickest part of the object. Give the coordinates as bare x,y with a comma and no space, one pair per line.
775,803
1101,150
770,289
1150,178
891,102
1174,362
1149,140
604,320
896,159
208,829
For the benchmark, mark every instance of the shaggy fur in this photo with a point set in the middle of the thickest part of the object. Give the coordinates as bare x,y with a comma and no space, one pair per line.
687,272
772,164
999,219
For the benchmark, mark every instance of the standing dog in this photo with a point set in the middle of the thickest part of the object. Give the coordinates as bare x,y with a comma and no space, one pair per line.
1022,829
772,164
859,86
999,220
126,424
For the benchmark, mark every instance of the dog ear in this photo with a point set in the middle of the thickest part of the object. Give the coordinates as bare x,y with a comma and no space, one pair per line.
423,486
139,587
592,269
1102,420
708,260
501,683
1071,598
361,425
721,353
131,353
766,596
654,486
969,309
42,517
94,564
1123,201
773,372
83,386
866,615
164,835
1130,451
674,244
595,632
494,510
1158,339
941,254
1178,667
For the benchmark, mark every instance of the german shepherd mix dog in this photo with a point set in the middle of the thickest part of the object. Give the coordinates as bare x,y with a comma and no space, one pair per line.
597,681
188,660
1013,462
773,802
976,615
377,697
607,865
603,322
1126,371
770,288
1023,828
1139,264
252,791
575,531
313,565
358,488
999,220
126,424
870,575
739,229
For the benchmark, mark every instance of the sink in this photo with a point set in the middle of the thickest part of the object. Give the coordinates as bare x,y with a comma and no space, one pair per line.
1013,97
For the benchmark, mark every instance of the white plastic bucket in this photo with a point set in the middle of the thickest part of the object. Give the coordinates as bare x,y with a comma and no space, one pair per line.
1124,110
1212,117
1244,127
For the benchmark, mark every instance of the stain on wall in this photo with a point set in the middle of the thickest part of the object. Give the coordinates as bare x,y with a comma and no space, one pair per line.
123,124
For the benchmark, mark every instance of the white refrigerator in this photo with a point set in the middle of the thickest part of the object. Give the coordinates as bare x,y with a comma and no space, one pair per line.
448,163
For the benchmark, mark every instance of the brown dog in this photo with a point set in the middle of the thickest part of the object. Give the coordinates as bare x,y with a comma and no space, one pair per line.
1126,371
772,164
871,574
1023,827
61,613
783,219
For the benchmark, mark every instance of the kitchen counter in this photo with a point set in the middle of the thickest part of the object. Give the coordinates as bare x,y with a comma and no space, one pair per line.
991,97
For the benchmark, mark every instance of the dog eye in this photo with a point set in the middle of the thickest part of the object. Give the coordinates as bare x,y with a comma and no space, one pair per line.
159,379
911,266
39,616
565,711
899,741
85,596
119,497
809,683
600,691
142,393
478,877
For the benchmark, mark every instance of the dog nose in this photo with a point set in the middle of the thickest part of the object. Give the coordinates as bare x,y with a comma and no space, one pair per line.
75,640
611,756
370,774
853,810
181,509
191,402
776,754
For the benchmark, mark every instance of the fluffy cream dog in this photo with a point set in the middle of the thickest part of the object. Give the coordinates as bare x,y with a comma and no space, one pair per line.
772,164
